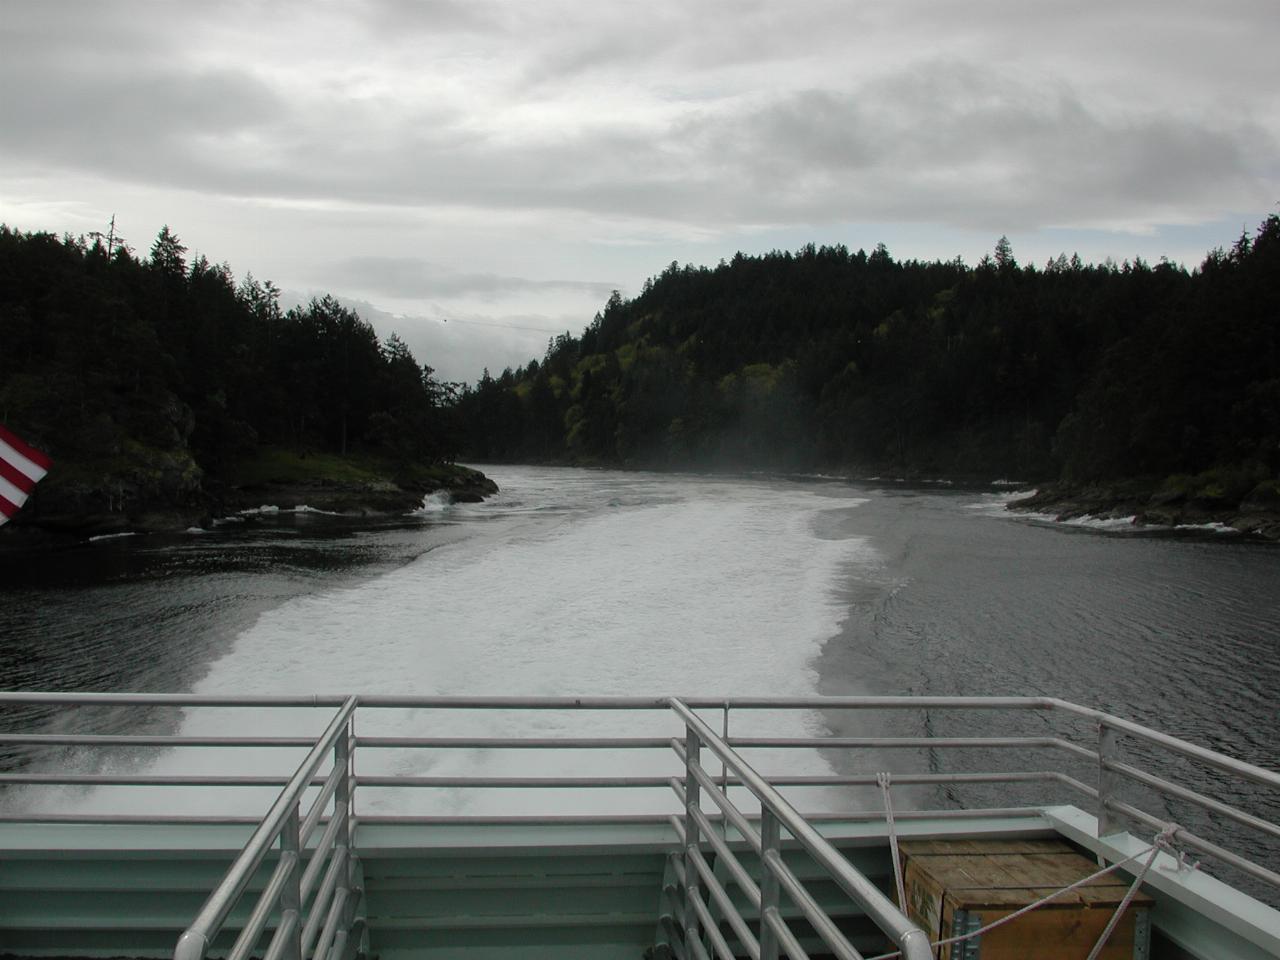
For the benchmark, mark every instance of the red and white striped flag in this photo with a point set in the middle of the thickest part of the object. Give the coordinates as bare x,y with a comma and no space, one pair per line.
21,467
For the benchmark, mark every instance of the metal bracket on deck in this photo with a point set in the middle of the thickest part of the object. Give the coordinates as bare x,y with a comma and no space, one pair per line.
965,923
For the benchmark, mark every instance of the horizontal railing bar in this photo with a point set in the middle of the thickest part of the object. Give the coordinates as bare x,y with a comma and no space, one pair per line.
394,701
798,780
515,743
1209,757
852,816
948,814
1229,764
171,699
708,703
150,740
893,743
1191,796
545,743
521,782
123,818
822,924
145,780
500,820
1186,837
1076,785
724,902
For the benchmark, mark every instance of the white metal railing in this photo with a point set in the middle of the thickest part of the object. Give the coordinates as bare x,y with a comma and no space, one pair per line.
307,925
299,932
775,814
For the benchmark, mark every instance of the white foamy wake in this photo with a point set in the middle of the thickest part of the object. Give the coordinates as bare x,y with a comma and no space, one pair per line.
433,503
725,590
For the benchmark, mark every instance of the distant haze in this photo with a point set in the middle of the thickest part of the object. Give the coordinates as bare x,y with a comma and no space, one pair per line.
479,176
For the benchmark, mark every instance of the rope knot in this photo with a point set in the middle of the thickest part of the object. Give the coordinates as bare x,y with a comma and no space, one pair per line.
883,780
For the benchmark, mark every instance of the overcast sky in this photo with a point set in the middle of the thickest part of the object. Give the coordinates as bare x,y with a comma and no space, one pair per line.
478,176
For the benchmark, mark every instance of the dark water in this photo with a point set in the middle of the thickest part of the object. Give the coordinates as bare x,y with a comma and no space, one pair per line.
149,613
1179,632
1183,632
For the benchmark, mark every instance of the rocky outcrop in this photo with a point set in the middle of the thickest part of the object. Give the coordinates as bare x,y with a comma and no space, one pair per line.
154,492
385,497
1178,502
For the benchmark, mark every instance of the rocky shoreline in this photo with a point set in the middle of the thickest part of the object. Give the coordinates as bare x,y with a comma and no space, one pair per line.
353,499
76,515
1257,514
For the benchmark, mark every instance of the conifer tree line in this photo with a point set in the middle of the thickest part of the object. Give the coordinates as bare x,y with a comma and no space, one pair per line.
109,357
818,359
825,358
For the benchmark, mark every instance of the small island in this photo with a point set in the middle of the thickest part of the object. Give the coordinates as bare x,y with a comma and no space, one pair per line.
169,395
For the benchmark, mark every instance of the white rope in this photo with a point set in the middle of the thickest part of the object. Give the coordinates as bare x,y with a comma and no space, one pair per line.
883,780
1162,839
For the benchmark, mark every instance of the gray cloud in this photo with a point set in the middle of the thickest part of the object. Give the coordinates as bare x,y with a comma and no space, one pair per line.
959,144
408,278
961,139
139,120
938,140
396,19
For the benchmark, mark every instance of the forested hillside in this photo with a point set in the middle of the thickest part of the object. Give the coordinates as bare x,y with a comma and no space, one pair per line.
825,358
154,381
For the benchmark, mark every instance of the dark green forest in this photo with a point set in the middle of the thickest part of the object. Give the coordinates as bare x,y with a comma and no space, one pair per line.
154,379
158,378
829,359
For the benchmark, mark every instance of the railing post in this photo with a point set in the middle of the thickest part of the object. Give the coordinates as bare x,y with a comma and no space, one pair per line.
291,895
725,769
1108,780
692,799
770,842
724,774
342,808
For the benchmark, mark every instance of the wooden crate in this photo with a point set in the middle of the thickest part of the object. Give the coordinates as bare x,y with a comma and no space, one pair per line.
955,886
